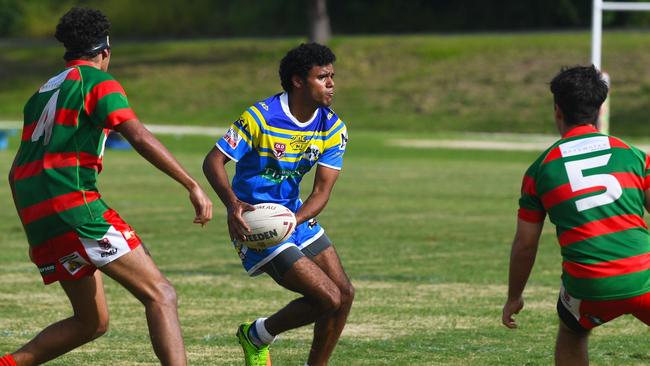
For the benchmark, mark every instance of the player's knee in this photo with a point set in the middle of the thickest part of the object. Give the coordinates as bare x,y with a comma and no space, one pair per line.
347,294
161,293
331,301
93,328
101,328
165,294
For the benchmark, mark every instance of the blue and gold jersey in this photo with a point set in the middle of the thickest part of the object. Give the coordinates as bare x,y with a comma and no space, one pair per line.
273,150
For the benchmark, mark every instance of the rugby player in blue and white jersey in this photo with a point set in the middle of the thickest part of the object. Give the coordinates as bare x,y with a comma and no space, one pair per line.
274,144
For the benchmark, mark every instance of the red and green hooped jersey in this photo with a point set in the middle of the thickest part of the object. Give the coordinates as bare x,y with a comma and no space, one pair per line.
65,126
592,187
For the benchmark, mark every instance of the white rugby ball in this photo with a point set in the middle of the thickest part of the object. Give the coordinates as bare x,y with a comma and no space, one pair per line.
270,224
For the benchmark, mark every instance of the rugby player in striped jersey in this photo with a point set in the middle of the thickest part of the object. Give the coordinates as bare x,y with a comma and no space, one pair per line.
594,188
70,230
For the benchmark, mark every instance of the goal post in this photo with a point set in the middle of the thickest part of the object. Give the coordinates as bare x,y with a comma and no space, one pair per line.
596,42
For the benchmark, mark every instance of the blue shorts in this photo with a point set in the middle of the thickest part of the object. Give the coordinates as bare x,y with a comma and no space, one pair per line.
252,259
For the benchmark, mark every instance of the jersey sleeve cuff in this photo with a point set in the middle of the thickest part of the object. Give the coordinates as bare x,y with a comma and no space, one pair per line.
531,215
225,153
329,166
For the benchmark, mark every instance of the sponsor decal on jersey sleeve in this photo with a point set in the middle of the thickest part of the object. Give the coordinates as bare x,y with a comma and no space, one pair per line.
344,139
232,138
312,153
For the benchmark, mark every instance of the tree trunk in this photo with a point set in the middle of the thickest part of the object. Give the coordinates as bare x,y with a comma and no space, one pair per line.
319,23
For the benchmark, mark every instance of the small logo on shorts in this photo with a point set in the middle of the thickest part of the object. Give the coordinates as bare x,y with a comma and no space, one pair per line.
73,262
594,319
128,234
47,269
105,244
311,223
240,248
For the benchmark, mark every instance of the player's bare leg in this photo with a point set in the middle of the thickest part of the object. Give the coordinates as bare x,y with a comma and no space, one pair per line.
327,330
571,347
90,320
137,272
321,297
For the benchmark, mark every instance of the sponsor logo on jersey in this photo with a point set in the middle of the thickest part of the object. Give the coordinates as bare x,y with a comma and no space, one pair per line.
344,140
47,269
73,262
240,123
312,153
262,236
266,107
278,175
298,142
279,149
232,138
330,115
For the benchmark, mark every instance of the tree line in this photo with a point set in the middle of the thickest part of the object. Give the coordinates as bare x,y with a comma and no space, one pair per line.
270,18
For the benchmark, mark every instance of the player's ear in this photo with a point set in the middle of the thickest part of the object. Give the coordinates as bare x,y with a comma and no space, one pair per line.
559,116
297,82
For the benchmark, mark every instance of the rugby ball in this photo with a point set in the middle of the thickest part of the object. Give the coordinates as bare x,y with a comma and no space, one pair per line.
270,224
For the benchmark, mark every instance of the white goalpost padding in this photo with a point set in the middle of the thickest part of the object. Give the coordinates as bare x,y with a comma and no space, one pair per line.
596,40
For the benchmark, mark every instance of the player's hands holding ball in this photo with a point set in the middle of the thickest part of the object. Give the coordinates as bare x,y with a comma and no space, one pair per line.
236,224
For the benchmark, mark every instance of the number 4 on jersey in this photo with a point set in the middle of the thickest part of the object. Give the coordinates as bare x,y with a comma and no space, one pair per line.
46,120
579,182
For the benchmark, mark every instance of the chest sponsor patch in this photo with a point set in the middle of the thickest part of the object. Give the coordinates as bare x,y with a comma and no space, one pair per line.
279,149
298,142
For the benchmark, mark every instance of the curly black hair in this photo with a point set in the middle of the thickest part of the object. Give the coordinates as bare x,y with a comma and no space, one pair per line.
301,59
80,29
579,91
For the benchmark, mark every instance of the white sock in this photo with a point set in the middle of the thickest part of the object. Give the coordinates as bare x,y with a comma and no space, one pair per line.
262,333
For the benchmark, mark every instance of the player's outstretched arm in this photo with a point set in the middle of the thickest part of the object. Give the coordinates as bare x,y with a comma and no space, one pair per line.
214,168
522,259
320,194
147,145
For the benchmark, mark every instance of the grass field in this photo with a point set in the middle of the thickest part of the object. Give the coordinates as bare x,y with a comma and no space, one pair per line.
424,234
473,82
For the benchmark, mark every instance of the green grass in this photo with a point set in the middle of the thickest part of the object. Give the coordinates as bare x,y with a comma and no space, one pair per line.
424,235
484,82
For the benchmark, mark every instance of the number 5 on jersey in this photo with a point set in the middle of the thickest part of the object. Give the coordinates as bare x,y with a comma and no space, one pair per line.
579,182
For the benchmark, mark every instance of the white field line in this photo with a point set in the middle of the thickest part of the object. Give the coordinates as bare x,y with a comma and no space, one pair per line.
480,144
533,142
157,129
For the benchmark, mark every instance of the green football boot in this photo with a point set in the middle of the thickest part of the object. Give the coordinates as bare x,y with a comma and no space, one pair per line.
253,355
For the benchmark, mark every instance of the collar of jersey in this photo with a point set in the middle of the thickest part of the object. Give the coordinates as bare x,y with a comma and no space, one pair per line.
284,101
580,130
79,63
